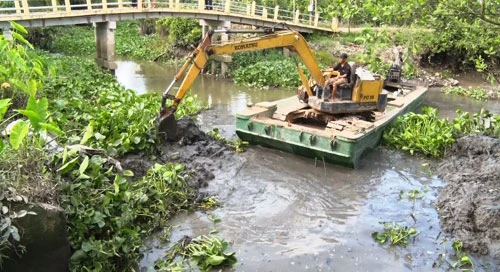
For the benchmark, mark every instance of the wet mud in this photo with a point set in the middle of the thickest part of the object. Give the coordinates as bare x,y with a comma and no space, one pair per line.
469,204
201,155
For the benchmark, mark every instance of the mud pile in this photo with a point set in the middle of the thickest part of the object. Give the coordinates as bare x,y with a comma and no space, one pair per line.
202,156
469,204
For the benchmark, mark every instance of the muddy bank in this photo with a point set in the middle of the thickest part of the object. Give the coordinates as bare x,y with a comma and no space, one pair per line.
469,205
202,156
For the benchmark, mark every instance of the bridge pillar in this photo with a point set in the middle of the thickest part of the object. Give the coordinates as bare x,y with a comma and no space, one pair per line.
105,45
222,60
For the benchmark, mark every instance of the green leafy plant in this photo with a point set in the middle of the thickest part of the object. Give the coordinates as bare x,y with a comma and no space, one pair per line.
420,132
281,73
477,93
209,203
463,260
181,31
210,252
108,215
394,234
238,145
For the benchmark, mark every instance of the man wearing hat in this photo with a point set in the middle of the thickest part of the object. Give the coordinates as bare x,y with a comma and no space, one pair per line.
344,76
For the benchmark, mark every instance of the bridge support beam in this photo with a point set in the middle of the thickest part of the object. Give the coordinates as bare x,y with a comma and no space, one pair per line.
218,60
105,45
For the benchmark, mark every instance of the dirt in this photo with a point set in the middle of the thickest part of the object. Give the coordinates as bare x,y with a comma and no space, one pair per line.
201,155
469,205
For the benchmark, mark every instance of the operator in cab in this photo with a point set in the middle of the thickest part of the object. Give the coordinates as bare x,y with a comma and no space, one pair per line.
344,75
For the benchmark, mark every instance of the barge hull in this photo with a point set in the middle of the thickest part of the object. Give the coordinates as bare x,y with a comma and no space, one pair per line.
256,125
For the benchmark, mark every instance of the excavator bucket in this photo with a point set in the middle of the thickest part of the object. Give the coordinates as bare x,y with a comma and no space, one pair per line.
167,123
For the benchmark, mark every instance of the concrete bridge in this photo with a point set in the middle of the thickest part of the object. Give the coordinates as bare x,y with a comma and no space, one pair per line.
221,14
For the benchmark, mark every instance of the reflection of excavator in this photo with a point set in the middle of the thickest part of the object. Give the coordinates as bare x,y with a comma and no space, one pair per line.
362,93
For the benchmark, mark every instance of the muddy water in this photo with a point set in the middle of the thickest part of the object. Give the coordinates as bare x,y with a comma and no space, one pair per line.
288,213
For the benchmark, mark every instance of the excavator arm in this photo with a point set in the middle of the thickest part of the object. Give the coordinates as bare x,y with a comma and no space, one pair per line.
197,60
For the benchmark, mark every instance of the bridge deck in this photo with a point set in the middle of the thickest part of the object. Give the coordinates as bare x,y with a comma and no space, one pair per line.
222,10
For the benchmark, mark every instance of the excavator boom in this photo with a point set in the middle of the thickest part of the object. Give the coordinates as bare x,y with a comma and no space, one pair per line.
197,60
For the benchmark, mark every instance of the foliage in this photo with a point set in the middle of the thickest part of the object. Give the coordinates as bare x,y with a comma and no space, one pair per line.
477,93
117,119
420,132
412,194
395,234
108,215
282,73
244,59
463,260
129,43
206,251
209,203
180,31
430,135
210,252
238,145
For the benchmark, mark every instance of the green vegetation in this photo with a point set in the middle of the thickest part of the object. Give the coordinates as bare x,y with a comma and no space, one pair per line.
60,150
412,194
238,145
428,134
129,43
463,262
394,234
180,31
477,93
207,252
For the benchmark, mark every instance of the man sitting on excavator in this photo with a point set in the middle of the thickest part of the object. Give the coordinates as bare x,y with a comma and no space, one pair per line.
344,76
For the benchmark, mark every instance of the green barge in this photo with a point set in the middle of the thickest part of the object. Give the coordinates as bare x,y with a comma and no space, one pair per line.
292,126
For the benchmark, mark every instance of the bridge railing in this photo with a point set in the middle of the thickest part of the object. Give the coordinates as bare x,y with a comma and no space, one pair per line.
27,8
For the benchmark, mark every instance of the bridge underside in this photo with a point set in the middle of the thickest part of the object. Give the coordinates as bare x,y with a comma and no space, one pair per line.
82,17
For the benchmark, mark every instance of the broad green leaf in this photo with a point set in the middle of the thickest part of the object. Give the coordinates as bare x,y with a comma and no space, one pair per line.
4,106
128,173
38,106
51,128
89,131
18,133
68,166
215,260
1,145
18,27
33,117
84,165
116,185
20,38
99,136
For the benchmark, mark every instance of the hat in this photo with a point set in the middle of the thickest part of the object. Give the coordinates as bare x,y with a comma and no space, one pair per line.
343,55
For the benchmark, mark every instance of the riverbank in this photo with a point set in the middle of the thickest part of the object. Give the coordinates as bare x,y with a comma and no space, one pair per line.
469,204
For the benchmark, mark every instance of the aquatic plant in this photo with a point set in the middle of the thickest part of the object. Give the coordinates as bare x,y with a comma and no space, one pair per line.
394,234
477,93
281,73
238,145
207,252
87,98
129,43
420,132
108,216
463,262
428,134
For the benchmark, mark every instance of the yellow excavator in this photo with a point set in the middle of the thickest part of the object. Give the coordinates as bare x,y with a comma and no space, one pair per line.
363,92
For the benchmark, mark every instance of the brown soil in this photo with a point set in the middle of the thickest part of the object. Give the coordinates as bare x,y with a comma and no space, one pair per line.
469,204
202,156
